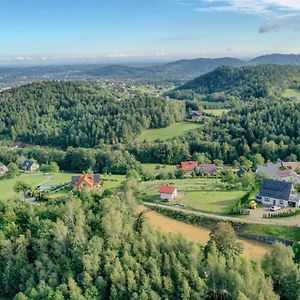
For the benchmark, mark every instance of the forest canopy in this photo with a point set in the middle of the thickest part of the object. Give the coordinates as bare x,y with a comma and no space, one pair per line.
80,114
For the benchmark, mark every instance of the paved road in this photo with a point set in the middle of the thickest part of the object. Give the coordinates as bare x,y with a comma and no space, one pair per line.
292,221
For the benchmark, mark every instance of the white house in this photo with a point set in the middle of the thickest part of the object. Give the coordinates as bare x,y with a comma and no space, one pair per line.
278,193
30,166
3,170
167,192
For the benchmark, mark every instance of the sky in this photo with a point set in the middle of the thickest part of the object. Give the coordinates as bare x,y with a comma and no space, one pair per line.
140,30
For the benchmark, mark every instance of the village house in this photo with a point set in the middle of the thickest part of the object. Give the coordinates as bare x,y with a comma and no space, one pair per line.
3,170
278,193
208,169
195,114
87,181
288,175
168,192
187,166
30,166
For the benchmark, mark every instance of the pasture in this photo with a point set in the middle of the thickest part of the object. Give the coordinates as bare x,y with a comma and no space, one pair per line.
175,130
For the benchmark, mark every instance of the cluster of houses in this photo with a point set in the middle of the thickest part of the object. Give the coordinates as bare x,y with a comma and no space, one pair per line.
26,166
198,169
169,193
279,190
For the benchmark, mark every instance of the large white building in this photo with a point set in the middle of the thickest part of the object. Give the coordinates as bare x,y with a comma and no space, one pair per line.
278,193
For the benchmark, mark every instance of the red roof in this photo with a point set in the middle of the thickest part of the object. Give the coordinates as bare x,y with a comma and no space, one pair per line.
188,165
167,189
286,173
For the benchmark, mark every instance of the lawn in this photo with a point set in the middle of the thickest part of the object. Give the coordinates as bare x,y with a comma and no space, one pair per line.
175,130
216,112
6,185
219,202
292,93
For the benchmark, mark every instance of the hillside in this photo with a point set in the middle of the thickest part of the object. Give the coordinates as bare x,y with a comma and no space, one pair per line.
80,114
277,59
245,82
179,69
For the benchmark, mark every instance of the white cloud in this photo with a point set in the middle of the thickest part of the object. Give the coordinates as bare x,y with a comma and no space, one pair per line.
265,7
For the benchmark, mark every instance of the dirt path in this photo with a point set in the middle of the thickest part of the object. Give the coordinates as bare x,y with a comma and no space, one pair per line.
292,221
252,249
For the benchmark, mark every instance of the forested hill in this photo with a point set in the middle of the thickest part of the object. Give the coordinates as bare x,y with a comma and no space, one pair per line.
277,59
80,114
246,82
187,68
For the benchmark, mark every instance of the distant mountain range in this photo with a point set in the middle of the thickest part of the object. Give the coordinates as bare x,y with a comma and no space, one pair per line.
179,70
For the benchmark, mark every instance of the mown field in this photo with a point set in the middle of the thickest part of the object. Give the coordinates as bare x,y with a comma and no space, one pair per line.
216,112
211,201
204,194
55,179
292,93
175,130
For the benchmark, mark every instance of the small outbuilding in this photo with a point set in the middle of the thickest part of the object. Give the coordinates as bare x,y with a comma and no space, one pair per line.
168,192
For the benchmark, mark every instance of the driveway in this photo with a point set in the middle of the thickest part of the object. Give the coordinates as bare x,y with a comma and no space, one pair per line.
255,216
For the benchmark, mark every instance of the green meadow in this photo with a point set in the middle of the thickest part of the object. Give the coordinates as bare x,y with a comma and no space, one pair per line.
175,130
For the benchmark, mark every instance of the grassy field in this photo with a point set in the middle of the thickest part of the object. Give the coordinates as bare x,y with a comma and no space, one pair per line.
205,194
291,233
216,112
175,130
292,93
152,168
219,202
6,185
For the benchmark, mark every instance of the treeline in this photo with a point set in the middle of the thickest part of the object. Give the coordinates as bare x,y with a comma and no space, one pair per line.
115,159
66,114
269,128
244,83
91,247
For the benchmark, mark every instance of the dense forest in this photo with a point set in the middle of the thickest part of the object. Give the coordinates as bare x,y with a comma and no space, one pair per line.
80,114
244,83
259,128
90,246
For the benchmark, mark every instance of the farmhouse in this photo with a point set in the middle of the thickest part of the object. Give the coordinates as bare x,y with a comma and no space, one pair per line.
3,170
87,181
279,193
30,166
209,169
167,192
187,166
